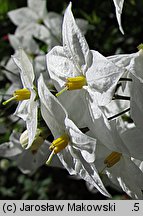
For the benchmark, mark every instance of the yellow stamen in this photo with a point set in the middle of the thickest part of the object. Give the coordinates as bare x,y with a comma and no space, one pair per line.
63,90
58,145
112,159
73,83
22,94
9,100
19,95
50,158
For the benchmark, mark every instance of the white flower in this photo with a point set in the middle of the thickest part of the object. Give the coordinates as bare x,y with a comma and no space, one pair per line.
119,164
34,20
26,160
27,107
74,62
120,168
119,6
93,77
75,149
29,17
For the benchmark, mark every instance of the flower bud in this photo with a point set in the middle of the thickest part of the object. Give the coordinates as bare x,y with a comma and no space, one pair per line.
38,140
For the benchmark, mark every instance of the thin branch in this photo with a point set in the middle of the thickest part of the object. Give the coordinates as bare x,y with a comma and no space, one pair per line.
120,97
119,114
125,79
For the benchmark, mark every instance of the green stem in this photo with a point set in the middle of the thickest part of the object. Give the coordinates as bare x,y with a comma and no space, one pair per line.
125,79
120,97
121,113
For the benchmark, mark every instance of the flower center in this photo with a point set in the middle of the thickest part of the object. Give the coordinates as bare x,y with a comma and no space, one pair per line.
19,95
73,83
112,159
58,145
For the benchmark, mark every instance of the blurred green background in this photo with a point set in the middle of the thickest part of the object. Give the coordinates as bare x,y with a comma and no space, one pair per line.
104,36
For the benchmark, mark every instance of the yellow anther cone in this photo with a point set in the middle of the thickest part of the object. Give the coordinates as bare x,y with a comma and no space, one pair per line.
112,159
19,95
58,145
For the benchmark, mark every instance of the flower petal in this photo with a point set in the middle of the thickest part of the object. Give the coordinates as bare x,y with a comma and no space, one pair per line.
74,43
8,150
39,7
59,66
67,160
89,173
137,65
52,111
133,139
103,76
119,6
26,68
27,43
129,177
22,16
84,143
136,102
31,122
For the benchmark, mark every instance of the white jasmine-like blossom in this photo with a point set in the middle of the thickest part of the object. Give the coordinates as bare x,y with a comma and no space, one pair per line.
28,19
11,71
75,66
10,68
28,105
27,161
91,75
118,165
121,170
119,7
35,21
75,149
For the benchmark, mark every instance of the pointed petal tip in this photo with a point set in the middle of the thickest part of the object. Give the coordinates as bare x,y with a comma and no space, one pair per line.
122,31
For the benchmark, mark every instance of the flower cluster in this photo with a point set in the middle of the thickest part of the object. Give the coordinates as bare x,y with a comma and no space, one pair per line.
85,114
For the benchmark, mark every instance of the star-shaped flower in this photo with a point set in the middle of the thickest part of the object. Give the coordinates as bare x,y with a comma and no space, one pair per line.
88,77
118,165
28,19
75,149
28,105
77,67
